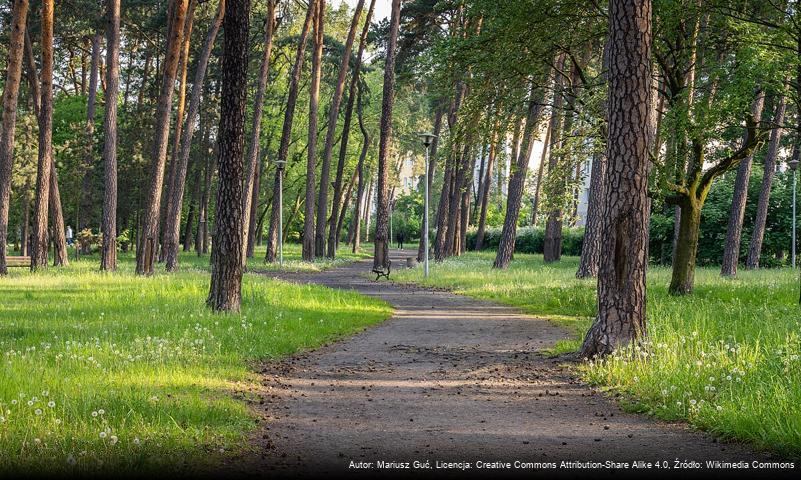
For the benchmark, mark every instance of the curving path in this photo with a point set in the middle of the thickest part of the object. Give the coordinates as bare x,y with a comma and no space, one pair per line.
448,378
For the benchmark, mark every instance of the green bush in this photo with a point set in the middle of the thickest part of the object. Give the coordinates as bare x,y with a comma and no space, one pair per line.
530,240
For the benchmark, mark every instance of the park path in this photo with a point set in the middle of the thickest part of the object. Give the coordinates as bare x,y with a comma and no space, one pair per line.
447,378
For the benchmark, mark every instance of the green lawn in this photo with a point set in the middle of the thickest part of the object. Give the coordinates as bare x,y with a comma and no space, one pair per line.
725,359
109,371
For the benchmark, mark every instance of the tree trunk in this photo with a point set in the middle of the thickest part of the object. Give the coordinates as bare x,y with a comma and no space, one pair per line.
60,257
362,203
25,233
455,201
336,220
381,241
202,240
517,180
225,292
108,255
175,199
367,206
443,207
683,276
484,197
193,201
286,132
758,235
252,237
45,158
146,250
85,203
621,277
535,205
309,238
734,231
592,244
251,192
16,47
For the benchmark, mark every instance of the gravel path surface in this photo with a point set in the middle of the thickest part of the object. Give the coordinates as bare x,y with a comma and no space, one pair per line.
449,379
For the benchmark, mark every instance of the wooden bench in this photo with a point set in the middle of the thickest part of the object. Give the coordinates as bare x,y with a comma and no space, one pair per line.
18,262
381,273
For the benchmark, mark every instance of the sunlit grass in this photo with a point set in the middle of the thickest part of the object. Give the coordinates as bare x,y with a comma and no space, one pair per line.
726,358
112,371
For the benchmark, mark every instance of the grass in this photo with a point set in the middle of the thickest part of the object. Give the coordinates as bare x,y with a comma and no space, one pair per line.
115,372
725,359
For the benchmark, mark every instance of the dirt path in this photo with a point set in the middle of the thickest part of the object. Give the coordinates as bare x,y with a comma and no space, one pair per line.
450,378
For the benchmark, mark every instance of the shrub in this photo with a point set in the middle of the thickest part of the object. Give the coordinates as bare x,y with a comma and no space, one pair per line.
530,240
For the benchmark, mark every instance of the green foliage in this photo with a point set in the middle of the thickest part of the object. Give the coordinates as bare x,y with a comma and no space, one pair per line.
530,240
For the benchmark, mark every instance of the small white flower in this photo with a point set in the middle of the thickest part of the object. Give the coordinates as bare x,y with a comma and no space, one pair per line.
136,441
94,414
30,403
38,411
37,441
103,434
719,408
101,411
51,404
114,439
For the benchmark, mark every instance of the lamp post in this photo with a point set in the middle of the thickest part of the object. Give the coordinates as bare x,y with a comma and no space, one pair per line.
428,139
793,167
280,164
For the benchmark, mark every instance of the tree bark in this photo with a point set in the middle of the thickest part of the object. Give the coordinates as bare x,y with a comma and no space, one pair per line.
45,156
535,206
19,17
225,292
172,222
621,277
336,220
168,240
85,203
146,250
734,231
381,241
202,240
758,235
362,203
251,193
286,133
108,255
193,201
309,239
506,246
484,196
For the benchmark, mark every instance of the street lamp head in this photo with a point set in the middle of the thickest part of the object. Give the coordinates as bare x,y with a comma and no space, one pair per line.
793,164
280,164
427,138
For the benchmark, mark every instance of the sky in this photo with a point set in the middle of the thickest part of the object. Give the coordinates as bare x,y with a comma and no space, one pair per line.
382,7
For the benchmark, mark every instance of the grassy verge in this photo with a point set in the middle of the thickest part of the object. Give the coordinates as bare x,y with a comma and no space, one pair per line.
725,359
112,371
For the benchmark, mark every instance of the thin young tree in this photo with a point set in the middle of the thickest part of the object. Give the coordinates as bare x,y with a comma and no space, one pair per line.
309,244
146,249
325,167
19,17
176,195
734,231
108,254
758,235
225,291
381,240
251,193
286,132
621,277
432,165
45,157
361,171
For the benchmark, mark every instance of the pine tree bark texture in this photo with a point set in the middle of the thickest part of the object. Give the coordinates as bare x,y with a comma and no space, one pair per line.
225,292
734,231
758,235
381,239
484,195
443,206
146,249
621,277
172,223
19,15
108,253
45,159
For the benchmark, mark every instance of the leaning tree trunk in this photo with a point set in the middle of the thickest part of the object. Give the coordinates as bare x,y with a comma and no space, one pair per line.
484,195
45,160
169,194
225,292
361,202
309,243
381,240
59,237
202,242
333,233
85,203
9,118
535,205
181,162
444,197
621,277
286,132
517,180
251,193
734,231
146,249
758,235
108,254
